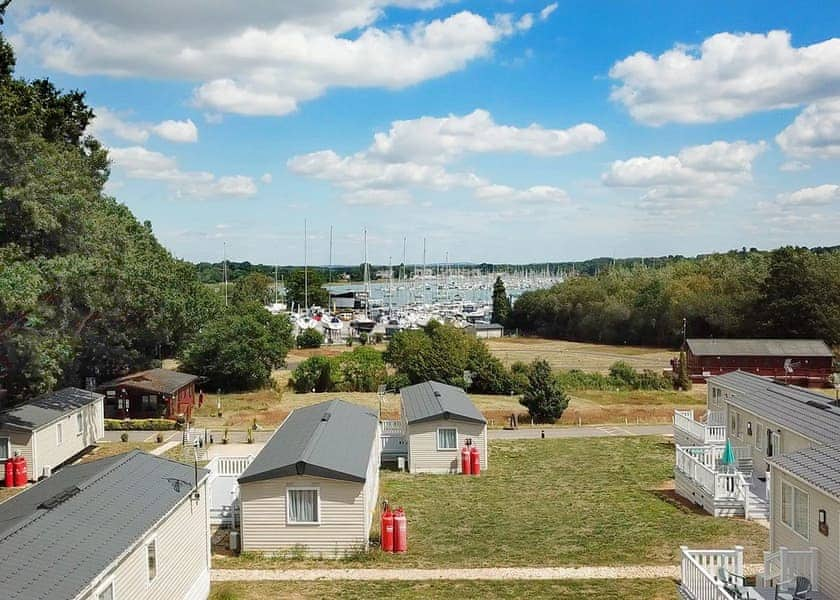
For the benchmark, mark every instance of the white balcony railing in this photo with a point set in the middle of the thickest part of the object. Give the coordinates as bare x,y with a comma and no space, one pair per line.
702,465
699,569
785,565
713,431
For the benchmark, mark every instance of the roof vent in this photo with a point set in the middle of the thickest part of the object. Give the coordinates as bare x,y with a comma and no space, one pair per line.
817,404
59,498
437,394
326,417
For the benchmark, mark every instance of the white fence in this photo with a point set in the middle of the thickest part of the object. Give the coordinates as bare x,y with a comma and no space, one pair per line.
699,570
713,431
785,565
224,489
701,465
394,442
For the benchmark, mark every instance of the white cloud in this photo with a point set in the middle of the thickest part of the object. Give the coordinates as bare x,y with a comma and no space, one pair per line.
137,162
263,61
546,12
109,122
416,154
815,132
266,178
793,166
729,75
697,176
820,195
177,131
442,138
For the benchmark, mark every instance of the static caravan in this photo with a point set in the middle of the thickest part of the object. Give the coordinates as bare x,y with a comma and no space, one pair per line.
805,516
315,484
51,429
128,526
438,419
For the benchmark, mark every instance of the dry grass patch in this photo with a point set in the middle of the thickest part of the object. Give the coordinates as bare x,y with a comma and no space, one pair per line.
650,589
106,449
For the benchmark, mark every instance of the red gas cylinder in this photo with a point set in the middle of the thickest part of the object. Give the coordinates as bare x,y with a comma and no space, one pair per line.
400,531
475,461
386,529
20,471
465,460
10,472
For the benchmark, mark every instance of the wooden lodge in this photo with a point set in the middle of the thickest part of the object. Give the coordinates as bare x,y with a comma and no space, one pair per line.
156,393
799,362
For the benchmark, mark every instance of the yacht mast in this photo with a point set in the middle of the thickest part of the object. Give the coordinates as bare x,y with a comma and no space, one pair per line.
224,267
366,276
305,268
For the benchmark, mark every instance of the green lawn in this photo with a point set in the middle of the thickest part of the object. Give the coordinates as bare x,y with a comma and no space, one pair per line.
553,502
658,589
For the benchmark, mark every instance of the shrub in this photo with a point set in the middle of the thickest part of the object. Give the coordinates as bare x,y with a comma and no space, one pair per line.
313,374
397,381
544,397
624,374
361,370
377,338
310,338
349,342
140,425
123,437
363,338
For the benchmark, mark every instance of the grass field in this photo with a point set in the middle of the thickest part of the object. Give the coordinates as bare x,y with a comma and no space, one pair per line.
553,502
106,449
658,589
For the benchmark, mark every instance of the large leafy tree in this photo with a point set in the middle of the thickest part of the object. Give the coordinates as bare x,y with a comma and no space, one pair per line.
544,397
299,282
254,287
239,348
85,289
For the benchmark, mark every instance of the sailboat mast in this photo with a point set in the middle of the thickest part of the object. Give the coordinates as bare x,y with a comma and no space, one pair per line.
275,284
329,272
366,276
224,268
305,267
423,272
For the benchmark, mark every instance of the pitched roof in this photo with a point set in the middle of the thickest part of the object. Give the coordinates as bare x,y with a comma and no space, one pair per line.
791,407
331,439
758,347
161,381
819,466
62,533
46,409
432,400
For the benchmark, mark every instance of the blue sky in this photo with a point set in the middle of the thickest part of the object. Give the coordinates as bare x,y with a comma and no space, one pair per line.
499,131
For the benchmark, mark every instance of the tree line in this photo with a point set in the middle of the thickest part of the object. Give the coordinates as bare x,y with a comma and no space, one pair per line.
790,292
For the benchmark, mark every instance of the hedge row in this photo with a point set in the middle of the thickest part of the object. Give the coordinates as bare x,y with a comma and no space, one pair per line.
139,425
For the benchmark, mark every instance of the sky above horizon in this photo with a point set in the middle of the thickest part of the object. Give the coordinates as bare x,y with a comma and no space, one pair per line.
499,131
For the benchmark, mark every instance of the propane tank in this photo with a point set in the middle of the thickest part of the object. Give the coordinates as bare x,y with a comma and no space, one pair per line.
10,472
400,531
465,460
475,461
20,472
386,528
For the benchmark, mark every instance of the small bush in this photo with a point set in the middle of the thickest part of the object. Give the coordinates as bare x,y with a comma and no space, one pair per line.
313,374
123,437
310,338
624,374
140,425
397,381
363,338
349,342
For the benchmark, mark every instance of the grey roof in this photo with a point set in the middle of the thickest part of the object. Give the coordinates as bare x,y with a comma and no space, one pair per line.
788,406
819,466
161,381
331,439
485,326
62,533
433,400
47,408
758,347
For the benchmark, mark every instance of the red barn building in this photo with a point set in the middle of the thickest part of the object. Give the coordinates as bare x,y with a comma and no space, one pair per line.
808,362
150,394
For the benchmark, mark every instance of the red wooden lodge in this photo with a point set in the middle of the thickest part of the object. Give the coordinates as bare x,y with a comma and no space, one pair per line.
799,362
156,393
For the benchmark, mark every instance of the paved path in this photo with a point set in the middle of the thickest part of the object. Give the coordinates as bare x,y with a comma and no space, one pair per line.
623,572
141,436
527,433
164,447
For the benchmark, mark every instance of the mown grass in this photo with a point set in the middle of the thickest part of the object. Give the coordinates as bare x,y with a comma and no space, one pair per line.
106,449
552,502
650,589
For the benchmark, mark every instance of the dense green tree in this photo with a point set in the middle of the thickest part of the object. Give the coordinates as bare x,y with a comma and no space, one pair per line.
85,289
254,287
362,370
544,397
296,289
310,338
501,302
313,375
238,349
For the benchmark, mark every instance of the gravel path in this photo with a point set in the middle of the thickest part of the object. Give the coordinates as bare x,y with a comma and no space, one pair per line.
624,572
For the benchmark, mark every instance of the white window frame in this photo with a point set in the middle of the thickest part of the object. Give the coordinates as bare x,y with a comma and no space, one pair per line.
80,423
109,583
437,439
793,510
149,542
302,488
758,433
8,446
59,434
775,442
738,425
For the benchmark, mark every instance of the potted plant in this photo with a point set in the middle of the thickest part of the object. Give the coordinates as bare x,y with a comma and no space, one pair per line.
124,436
225,436
159,438
250,436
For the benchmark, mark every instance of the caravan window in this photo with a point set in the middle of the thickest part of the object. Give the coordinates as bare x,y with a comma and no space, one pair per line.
151,560
303,506
447,438
795,509
59,433
80,423
5,448
106,593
